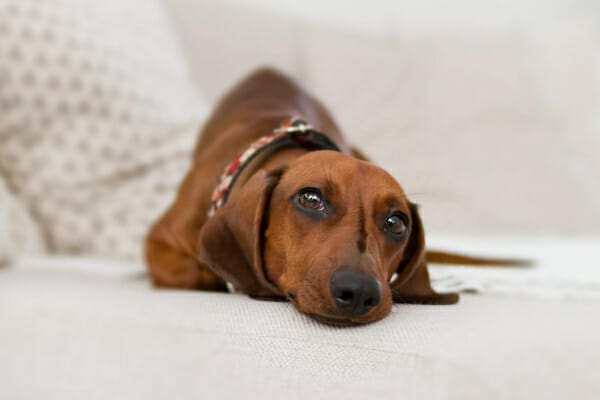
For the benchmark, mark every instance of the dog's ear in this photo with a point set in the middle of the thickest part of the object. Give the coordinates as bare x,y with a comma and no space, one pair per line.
231,240
412,284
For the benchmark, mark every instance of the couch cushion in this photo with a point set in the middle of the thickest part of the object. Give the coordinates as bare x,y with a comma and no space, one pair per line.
473,122
97,119
487,114
74,328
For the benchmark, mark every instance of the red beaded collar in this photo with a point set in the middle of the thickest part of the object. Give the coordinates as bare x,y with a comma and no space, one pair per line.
293,131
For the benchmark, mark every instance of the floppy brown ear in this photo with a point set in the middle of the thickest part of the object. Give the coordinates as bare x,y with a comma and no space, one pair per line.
231,240
412,284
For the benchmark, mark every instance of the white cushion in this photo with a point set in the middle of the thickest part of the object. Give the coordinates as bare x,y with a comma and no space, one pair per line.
98,118
473,123
87,328
487,112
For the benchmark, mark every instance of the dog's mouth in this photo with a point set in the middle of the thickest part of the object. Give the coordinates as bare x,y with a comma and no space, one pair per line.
335,321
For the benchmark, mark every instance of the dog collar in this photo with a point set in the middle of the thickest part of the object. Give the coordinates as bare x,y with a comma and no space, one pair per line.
293,131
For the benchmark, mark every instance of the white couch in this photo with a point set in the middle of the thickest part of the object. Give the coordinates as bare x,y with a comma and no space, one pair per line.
487,115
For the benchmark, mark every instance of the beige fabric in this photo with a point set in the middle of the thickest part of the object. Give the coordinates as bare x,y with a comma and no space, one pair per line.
19,233
97,118
84,328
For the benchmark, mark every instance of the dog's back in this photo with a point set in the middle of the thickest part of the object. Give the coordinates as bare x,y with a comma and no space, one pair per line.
265,97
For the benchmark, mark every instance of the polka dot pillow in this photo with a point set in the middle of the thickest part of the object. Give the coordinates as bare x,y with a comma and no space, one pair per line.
98,118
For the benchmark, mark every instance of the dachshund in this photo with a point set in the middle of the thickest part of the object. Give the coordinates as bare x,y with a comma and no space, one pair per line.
277,205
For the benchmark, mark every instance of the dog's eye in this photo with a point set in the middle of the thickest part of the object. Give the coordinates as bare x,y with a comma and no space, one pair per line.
311,199
396,224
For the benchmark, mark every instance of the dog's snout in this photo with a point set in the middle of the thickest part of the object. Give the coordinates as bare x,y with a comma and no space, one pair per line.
355,292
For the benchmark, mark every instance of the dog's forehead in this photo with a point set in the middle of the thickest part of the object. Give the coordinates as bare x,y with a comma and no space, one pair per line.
321,167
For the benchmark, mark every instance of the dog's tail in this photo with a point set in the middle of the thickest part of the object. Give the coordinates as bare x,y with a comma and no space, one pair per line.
442,257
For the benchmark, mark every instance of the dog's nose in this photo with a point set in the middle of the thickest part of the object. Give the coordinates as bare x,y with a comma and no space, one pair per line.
355,292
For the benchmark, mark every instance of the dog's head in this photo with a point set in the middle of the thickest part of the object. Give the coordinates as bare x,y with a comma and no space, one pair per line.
335,235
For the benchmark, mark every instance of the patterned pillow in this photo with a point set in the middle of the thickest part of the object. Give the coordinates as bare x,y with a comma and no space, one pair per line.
98,118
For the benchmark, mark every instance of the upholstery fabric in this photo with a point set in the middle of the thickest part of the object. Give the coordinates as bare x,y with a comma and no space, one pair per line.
88,328
97,118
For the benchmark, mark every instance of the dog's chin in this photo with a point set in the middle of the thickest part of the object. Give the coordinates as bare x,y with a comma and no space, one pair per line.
342,320
335,321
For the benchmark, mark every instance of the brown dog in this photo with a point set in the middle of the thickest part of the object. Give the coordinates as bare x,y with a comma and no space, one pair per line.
325,229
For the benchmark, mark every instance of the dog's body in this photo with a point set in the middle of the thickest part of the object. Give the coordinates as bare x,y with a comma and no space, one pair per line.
326,230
